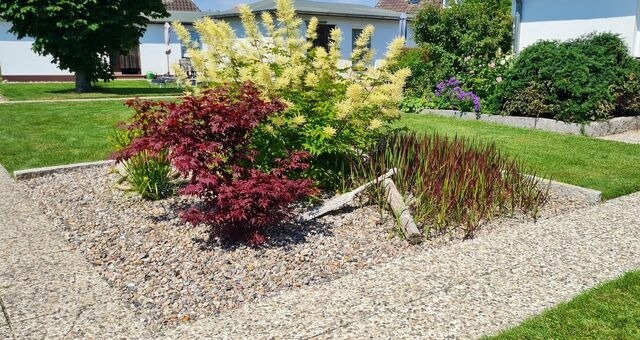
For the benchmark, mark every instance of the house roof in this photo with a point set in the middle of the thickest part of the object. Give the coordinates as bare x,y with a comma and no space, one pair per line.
317,8
184,17
405,6
180,5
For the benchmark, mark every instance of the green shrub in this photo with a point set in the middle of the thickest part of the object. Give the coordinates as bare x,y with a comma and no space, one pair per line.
412,104
477,28
586,79
457,185
428,66
333,111
467,41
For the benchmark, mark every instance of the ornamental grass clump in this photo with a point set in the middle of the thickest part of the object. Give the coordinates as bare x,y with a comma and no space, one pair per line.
149,175
454,185
334,108
208,139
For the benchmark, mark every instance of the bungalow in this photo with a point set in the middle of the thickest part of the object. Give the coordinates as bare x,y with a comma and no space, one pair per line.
567,19
19,63
350,18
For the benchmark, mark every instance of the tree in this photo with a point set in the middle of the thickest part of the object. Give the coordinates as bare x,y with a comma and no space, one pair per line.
80,35
468,28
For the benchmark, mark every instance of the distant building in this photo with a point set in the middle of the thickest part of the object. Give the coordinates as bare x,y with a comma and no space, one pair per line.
407,6
537,20
351,19
19,63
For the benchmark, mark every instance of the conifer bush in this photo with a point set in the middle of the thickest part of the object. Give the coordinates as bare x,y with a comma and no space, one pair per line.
333,110
585,79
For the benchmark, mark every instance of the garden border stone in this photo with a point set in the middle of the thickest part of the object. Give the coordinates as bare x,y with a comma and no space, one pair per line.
37,172
592,129
568,190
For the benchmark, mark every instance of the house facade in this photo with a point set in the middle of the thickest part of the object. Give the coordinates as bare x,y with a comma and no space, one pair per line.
537,20
350,19
19,63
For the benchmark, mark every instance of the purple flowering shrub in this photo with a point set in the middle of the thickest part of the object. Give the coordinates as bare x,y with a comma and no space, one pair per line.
450,95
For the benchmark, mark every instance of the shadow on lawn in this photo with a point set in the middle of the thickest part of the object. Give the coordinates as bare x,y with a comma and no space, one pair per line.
123,91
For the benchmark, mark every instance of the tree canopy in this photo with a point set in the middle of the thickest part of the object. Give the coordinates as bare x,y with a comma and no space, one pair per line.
80,35
468,28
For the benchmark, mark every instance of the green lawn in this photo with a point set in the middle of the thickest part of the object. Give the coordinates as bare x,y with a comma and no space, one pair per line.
610,167
116,88
610,311
43,134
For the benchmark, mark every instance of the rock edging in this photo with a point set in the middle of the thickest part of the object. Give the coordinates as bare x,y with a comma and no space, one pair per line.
38,172
592,129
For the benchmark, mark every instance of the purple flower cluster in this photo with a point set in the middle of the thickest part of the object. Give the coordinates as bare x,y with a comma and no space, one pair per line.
451,89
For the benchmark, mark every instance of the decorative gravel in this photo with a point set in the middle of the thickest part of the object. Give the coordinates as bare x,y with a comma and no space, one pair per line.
169,274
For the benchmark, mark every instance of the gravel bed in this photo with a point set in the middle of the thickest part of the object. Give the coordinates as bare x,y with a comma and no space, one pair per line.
167,272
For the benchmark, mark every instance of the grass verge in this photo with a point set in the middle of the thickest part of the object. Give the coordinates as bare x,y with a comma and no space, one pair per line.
43,134
610,311
116,88
610,167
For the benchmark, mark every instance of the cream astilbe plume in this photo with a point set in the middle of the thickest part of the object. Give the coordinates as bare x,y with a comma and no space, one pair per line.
362,55
393,51
268,24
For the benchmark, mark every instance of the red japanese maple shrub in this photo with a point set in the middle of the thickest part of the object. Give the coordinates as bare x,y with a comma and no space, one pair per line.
208,140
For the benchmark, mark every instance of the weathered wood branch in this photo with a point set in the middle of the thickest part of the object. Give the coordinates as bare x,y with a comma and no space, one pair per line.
401,212
340,201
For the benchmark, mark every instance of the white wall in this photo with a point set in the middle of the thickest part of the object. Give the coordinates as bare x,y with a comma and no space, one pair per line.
568,19
17,58
385,31
152,50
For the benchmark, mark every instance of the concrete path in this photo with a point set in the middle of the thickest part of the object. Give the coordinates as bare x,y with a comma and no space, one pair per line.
631,137
48,290
470,289
83,100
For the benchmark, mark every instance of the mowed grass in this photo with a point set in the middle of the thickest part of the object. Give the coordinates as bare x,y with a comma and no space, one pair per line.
610,167
610,311
116,88
44,134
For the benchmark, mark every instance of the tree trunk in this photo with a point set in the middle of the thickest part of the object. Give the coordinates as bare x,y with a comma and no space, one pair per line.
82,84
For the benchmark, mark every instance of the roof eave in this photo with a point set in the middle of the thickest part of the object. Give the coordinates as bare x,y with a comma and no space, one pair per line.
312,13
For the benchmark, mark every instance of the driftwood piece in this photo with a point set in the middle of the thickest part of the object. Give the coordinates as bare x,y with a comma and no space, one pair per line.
340,201
401,212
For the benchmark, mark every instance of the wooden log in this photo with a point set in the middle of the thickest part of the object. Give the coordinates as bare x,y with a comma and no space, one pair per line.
340,201
401,212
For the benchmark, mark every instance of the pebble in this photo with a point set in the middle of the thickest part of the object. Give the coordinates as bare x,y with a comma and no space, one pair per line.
170,274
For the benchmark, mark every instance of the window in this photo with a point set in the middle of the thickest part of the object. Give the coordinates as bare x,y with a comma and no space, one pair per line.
195,37
324,36
355,33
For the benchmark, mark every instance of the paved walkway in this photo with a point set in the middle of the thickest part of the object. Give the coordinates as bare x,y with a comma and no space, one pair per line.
477,287
631,137
47,289
83,99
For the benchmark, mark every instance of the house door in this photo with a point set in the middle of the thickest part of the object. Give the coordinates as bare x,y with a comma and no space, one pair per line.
127,63
324,36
